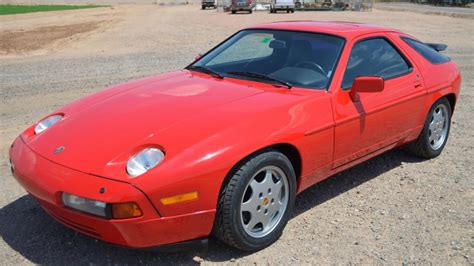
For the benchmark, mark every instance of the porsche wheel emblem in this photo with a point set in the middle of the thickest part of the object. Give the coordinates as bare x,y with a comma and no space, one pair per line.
59,149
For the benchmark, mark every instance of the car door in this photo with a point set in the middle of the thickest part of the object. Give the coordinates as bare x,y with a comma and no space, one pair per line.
377,120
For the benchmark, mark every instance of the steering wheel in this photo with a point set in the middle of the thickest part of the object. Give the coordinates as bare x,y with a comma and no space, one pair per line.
313,66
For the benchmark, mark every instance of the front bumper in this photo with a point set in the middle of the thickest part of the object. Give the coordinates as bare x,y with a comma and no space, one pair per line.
46,180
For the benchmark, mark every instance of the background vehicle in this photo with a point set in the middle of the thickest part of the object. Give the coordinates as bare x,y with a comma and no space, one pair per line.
299,3
208,3
282,5
242,5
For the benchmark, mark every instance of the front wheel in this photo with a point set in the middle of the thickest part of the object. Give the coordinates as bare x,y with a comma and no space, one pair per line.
435,131
257,201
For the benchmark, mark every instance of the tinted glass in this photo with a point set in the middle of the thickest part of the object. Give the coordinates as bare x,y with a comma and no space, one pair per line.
426,51
302,59
248,47
374,57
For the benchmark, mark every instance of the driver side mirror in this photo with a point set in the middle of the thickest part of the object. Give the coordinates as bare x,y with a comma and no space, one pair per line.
366,84
197,57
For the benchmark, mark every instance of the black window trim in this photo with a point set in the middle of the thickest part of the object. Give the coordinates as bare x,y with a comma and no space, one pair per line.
405,38
404,57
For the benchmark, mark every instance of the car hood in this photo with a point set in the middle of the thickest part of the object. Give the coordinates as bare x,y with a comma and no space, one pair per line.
100,128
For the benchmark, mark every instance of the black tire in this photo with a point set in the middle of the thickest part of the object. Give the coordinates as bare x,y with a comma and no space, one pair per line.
233,11
287,11
250,11
421,146
292,11
203,7
228,226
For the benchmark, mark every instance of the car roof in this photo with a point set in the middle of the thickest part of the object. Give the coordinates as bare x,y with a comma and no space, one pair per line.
341,28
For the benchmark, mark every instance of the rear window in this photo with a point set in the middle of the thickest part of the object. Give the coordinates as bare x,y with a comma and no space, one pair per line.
426,51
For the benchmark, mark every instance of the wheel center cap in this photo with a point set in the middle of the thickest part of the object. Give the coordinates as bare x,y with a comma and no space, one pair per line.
265,201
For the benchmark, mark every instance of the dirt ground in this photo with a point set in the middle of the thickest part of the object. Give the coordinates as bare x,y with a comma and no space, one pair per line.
393,209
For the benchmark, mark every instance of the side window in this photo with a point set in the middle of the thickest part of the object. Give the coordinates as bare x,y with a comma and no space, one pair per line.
374,57
427,52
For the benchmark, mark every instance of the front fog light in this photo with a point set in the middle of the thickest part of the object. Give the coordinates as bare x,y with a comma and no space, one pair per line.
94,207
107,210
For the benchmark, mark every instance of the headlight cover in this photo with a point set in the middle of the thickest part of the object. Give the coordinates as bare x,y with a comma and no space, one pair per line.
46,123
143,161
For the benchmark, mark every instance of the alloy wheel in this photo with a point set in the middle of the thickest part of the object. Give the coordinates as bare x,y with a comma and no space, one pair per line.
264,201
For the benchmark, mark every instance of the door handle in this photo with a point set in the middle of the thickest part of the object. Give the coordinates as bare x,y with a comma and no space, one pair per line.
417,82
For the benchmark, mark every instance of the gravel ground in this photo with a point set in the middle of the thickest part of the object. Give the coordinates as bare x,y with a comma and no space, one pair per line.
460,12
392,209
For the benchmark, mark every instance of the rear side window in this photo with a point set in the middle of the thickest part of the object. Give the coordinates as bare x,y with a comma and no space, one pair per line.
374,57
426,51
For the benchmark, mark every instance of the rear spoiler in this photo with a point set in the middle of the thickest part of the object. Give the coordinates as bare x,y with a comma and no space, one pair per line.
437,46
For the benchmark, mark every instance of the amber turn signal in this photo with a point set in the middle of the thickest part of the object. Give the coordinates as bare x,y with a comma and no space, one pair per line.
180,198
126,210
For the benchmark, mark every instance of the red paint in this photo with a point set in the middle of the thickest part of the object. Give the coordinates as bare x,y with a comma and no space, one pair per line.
205,126
366,84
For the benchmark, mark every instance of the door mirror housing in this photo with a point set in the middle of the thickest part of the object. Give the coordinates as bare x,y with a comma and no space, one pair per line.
366,84
197,57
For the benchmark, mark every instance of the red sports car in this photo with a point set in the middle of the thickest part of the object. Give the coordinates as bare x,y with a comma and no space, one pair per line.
223,146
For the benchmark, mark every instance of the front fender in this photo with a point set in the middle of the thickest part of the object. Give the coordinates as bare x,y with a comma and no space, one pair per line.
199,155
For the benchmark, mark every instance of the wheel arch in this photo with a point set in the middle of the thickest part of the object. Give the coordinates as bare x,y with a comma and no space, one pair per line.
452,100
286,149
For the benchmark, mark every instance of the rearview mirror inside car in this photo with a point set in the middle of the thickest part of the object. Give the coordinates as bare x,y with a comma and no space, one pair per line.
277,44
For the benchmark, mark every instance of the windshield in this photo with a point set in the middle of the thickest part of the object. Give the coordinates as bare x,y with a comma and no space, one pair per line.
300,59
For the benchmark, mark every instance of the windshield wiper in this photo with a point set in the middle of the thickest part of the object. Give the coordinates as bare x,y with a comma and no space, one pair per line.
206,70
260,76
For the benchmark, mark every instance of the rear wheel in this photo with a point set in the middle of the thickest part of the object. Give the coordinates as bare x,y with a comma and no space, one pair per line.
435,131
233,11
256,203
